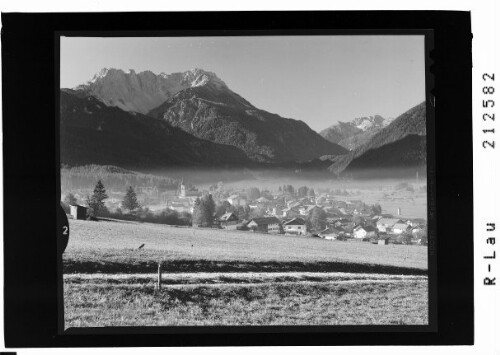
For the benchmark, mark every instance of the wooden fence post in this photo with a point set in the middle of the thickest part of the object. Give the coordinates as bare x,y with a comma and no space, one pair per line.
159,277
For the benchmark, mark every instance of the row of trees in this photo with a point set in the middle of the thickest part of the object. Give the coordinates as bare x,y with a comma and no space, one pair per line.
130,204
95,202
302,191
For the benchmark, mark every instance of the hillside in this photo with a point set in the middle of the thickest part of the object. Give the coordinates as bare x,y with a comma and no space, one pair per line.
113,178
411,155
221,116
93,133
412,122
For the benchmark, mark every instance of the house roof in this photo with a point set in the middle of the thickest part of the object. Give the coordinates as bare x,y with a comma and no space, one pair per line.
265,220
295,222
311,207
331,230
226,216
234,196
400,226
388,221
262,199
370,229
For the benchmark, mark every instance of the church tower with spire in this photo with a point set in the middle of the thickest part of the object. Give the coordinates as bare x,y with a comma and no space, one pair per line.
183,189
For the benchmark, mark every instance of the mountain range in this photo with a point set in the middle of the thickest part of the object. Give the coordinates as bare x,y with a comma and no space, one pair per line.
202,105
355,133
144,120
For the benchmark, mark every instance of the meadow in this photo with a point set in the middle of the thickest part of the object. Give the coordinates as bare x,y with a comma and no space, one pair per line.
110,246
219,277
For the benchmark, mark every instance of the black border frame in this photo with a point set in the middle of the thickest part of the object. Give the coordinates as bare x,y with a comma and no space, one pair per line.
428,47
28,42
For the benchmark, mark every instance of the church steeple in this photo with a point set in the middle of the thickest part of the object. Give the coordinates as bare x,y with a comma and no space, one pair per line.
183,189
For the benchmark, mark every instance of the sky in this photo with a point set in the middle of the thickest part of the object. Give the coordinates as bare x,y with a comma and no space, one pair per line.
318,79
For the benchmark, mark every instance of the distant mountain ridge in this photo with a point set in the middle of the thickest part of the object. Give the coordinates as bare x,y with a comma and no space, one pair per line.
201,104
409,153
353,134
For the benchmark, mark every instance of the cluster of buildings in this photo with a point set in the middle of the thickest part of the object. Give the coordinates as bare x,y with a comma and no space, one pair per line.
283,213
343,220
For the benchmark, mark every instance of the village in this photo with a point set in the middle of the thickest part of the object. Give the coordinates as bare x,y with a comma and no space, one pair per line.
330,215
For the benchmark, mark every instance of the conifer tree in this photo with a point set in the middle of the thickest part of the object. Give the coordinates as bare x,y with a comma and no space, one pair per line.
130,200
96,201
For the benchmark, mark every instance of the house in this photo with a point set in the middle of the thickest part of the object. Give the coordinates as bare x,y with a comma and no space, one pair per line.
331,233
361,232
295,226
384,223
181,206
262,200
418,230
78,212
399,228
237,200
228,220
265,225
243,225
305,210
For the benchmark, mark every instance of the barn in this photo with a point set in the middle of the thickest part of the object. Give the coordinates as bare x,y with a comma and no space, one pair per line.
265,225
78,212
228,220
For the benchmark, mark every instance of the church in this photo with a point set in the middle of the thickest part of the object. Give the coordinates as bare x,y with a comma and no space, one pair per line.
184,193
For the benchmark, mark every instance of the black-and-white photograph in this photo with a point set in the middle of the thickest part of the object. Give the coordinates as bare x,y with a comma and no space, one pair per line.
244,180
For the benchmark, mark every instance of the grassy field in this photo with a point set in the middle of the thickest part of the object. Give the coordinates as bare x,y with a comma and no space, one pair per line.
282,303
112,247
218,277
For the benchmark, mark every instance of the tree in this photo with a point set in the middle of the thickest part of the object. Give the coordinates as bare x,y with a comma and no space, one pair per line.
253,193
243,212
405,238
130,200
316,219
96,201
302,191
289,189
311,193
376,209
257,212
223,207
70,199
204,209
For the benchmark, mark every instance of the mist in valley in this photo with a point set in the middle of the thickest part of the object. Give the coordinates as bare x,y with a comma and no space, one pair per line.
159,190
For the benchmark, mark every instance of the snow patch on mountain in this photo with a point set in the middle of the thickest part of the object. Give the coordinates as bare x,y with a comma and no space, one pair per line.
356,132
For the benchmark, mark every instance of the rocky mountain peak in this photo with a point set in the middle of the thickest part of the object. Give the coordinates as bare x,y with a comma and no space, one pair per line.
143,91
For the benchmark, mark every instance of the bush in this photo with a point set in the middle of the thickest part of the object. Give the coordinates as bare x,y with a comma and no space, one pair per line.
166,216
